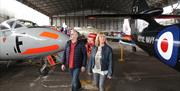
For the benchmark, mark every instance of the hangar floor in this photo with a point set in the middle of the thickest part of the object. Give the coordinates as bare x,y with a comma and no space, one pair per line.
138,72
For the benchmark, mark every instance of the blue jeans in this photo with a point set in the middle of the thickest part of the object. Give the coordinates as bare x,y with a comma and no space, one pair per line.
99,81
76,84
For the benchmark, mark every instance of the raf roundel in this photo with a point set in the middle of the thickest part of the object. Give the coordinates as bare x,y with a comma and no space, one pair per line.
165,45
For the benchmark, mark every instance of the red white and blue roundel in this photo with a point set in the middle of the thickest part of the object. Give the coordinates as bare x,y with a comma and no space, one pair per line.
166,45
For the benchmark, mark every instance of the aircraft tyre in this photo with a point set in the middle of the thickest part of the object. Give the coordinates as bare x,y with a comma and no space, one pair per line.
44,72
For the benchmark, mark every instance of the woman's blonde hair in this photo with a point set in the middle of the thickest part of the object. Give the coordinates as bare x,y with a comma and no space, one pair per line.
97,38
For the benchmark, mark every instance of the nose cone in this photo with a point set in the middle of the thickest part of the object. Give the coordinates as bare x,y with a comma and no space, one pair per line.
62,39
44,42
55,38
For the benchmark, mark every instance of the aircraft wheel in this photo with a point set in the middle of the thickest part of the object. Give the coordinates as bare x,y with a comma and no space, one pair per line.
134,49
44,71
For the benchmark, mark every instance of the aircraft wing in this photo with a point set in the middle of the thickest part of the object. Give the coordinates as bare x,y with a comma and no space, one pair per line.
123,39
154,13
134,16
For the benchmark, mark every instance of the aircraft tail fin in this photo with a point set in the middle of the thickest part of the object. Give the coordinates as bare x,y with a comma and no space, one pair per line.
143,11
139,6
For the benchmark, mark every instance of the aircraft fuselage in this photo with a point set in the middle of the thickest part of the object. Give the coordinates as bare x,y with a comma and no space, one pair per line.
162,42
33,42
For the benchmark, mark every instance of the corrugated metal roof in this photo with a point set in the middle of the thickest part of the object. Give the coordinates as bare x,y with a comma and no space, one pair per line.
61,7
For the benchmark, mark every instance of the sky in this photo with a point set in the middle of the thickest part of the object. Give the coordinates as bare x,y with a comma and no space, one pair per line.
18,10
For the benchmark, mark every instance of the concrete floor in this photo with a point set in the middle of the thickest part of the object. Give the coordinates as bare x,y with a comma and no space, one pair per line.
138,72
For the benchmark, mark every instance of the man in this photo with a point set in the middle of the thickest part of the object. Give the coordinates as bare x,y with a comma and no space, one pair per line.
75,57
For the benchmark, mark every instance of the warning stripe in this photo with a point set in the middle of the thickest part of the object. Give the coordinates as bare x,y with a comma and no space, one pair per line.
40,50
49,35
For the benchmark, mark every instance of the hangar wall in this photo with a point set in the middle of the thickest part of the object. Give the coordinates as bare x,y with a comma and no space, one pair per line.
102,24
78,19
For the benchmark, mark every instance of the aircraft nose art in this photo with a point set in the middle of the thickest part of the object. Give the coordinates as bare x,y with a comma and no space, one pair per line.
49,35
167,45
50,44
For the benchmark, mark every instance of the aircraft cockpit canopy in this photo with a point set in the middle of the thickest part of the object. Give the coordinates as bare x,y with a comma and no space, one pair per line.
27,23
13,24
2,27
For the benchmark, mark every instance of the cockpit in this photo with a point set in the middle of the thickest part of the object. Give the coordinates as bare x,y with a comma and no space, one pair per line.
16,23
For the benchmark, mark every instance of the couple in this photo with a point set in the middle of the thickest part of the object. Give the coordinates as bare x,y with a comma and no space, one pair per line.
100,62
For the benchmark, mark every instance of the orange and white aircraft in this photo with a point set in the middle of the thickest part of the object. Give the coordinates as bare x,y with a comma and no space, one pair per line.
21,39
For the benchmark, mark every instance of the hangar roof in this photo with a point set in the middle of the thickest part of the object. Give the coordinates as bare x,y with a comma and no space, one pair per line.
62,7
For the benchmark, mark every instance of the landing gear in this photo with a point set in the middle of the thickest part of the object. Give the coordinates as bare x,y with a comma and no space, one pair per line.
49,63
133,49
44,70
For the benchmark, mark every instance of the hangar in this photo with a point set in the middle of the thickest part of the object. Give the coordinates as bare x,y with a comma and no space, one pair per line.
145,54
66,10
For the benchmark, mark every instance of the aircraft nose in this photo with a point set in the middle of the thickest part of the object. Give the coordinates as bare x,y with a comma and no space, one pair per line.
62,40
49,42
57,38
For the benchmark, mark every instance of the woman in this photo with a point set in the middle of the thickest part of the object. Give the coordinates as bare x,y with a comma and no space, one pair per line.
90,43
100,63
